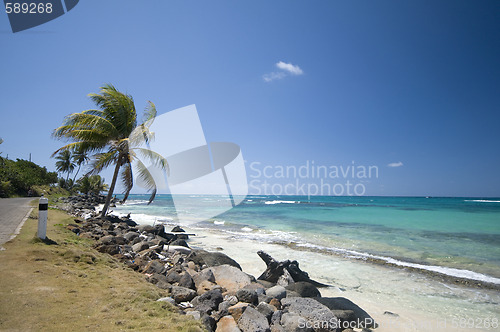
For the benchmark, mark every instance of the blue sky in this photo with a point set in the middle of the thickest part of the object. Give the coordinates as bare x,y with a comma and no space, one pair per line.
415,83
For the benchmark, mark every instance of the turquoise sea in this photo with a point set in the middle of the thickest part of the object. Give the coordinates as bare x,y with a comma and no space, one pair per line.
455,236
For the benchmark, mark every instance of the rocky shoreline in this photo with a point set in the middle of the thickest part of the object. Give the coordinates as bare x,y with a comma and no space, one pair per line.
210,286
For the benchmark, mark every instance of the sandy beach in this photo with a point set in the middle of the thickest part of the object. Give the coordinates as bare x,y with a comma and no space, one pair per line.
394,298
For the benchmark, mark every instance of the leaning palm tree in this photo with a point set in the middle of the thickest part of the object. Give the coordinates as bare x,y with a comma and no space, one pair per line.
80,157
113,134
64,163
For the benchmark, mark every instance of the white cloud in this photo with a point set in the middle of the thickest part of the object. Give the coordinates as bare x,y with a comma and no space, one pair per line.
273,76
294,70
398,164
285,69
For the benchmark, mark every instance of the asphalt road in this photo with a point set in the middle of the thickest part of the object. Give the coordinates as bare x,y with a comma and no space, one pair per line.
12,213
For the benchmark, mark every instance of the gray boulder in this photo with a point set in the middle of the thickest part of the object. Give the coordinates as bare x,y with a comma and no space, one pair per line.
182,294
253,321
316,315
294,323
167,299
276,292
203,275
267,310
361,317
247,295
201,257
208,302
227,324
230,277
186,280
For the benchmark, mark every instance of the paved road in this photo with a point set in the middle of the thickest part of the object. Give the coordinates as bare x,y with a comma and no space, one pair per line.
12,212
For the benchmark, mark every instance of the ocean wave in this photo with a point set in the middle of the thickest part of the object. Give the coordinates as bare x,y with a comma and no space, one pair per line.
135,202
219,222
452,272
481,201
281,202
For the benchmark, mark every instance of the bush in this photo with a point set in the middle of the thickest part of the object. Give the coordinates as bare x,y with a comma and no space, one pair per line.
20,176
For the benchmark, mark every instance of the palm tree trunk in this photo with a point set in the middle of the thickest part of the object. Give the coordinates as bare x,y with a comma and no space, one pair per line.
111,188
78,170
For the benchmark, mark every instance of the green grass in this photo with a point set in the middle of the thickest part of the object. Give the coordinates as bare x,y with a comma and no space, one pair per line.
69,286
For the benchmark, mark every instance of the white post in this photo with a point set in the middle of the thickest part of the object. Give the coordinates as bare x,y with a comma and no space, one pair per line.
43,207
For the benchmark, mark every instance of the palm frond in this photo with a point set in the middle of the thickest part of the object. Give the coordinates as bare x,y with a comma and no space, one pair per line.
155,158
103,160
147,179
127,180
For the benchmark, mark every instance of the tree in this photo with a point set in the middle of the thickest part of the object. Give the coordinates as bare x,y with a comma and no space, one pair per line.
113,134
80,157
64,163
92,184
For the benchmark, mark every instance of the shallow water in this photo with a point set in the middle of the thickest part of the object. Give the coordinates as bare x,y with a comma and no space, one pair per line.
334,237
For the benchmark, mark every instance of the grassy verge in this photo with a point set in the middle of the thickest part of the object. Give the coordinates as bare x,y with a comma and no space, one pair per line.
68,286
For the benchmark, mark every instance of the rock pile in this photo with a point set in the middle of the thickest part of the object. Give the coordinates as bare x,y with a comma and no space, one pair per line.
83,206
211,287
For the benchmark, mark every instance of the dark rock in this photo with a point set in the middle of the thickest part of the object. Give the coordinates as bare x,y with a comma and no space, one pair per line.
340,303
173,276
253,321
345,316
203,275
247,295
130,236
208,302
290,293
130,222
146,229
179,242
304,289
182,294
276,269
267,310
177,229
120,240
186,281
163,285
201,257
108,239
155,267
110,249
276,317
208,322
388,313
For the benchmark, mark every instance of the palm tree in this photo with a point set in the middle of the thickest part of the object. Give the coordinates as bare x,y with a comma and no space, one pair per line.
92,184
64,163
112,132
80,157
